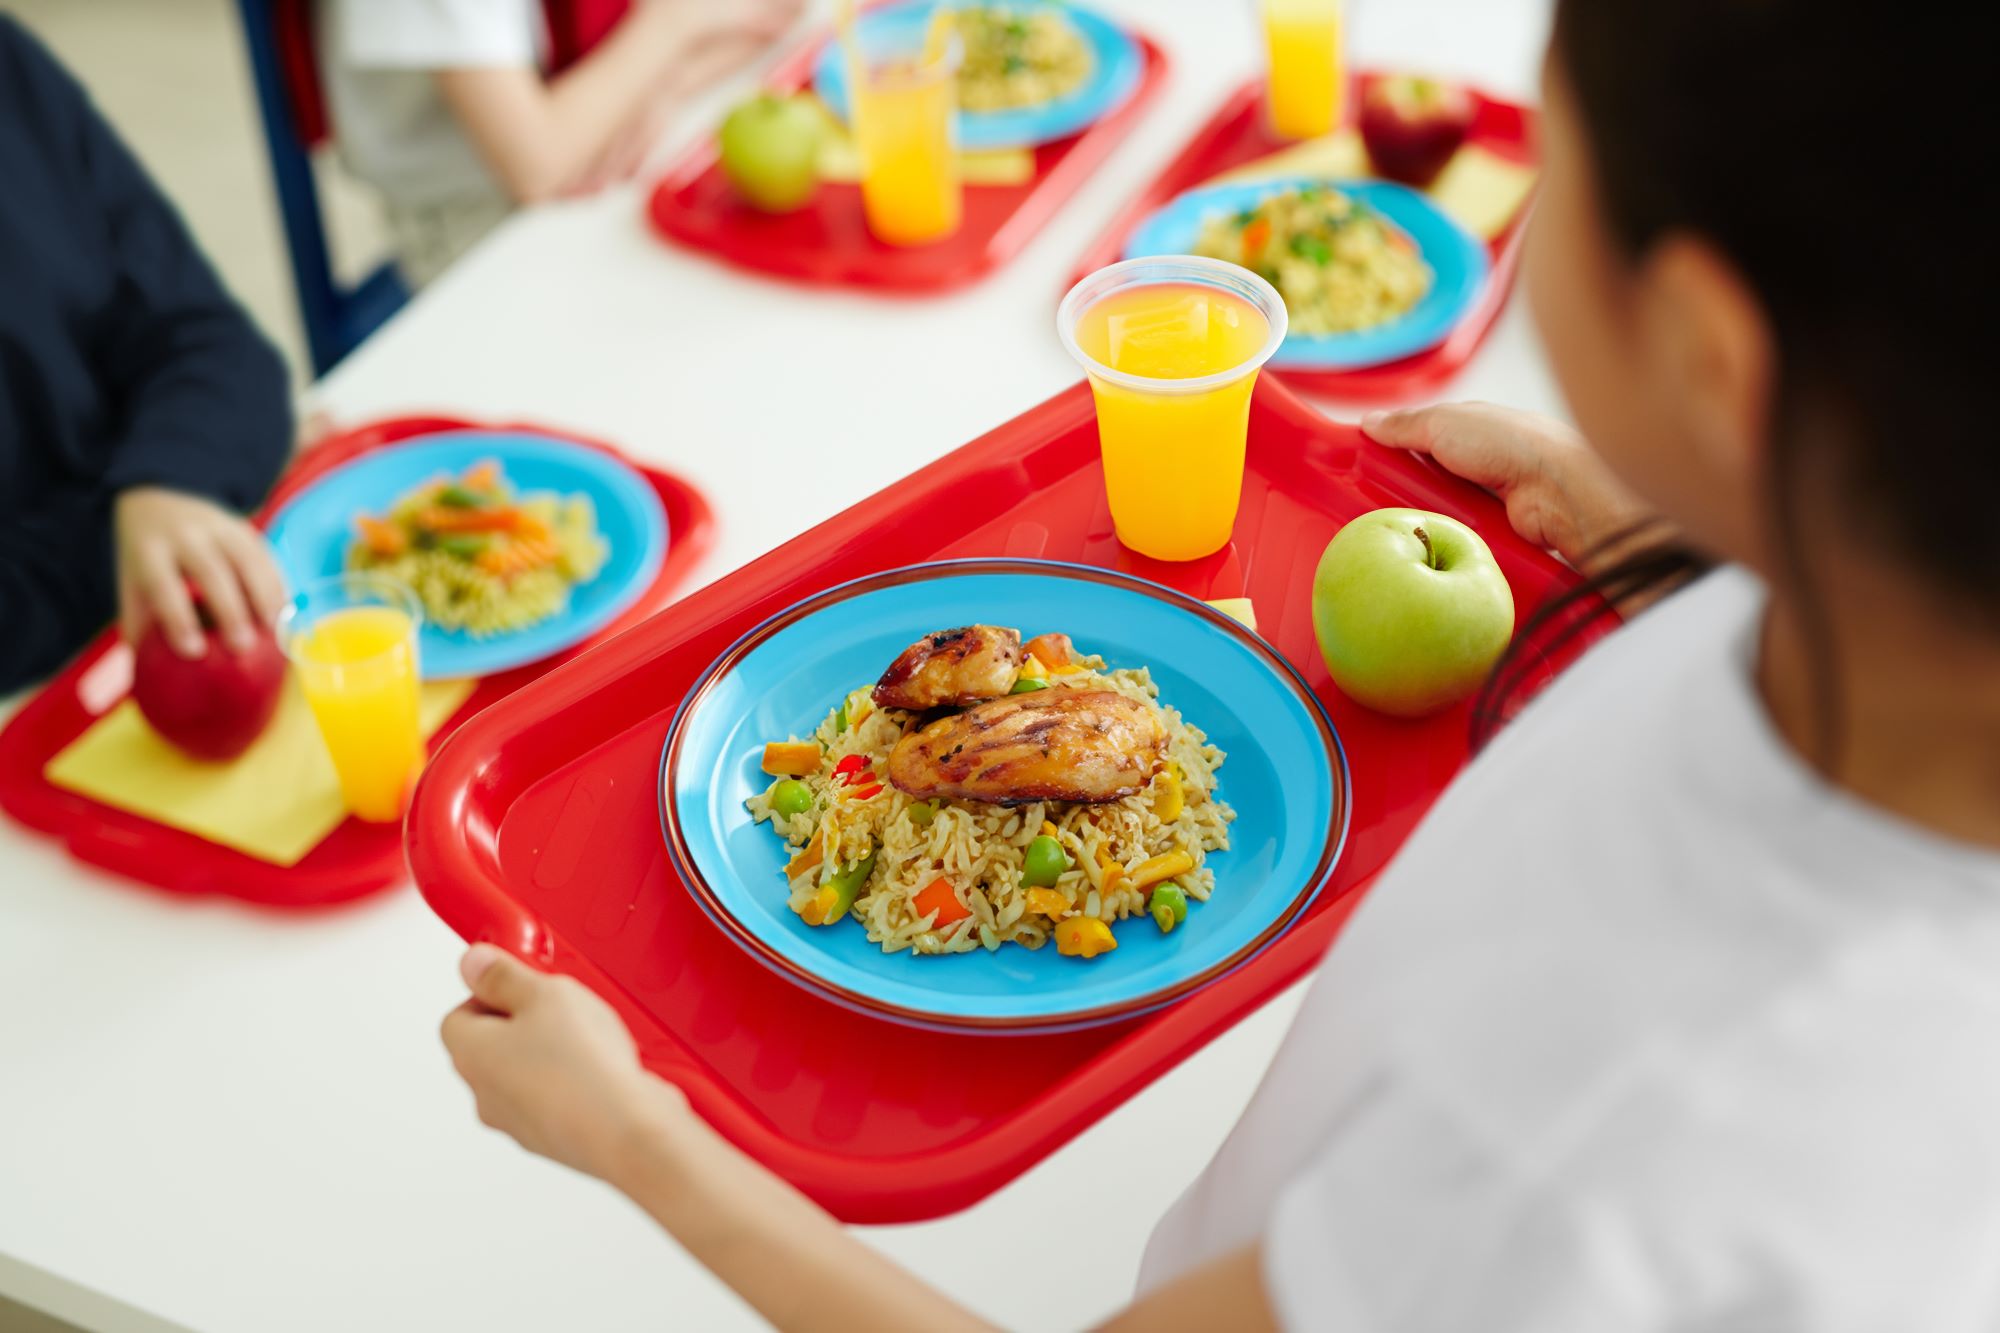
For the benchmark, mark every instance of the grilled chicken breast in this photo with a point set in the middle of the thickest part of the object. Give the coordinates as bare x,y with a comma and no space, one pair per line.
1089,746
951,668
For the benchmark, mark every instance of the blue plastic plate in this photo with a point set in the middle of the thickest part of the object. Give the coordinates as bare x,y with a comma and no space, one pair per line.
1116,69
1458,261
313,533
1284,773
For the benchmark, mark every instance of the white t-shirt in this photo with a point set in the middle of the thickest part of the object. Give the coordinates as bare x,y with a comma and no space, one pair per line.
1647,1028
378,60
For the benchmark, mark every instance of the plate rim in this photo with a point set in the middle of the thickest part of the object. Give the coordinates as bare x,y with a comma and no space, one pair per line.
1479,267
680,856
1120,89
659,531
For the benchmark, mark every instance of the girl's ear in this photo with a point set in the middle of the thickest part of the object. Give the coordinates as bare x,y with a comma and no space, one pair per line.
1711,348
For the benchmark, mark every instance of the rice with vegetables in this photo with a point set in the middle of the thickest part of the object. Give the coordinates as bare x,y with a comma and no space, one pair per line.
1017,57
1340,266
481,558
951,875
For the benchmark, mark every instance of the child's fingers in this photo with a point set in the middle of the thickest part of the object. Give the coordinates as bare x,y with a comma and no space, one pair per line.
498,980
1468,439
258,571
158,579
461,1032
133,612
221,591
1405,429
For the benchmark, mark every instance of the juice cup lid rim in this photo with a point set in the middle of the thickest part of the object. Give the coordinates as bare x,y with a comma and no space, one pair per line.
289,619
1198,269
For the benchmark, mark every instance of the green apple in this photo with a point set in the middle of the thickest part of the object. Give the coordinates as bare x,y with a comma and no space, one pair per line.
770,150
1411,611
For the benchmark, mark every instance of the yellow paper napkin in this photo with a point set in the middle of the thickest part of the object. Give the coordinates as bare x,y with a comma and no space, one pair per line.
1479,189
276,801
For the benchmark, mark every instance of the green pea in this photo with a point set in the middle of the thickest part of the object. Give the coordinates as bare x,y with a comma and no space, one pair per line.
791,797
922,813
1028,685
1045,863
1169,906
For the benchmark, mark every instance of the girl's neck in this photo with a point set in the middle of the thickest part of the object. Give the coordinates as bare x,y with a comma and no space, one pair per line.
1911,715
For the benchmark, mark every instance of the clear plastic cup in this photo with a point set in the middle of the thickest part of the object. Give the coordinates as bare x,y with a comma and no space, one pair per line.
1172,346
905,113
1305,87
352,639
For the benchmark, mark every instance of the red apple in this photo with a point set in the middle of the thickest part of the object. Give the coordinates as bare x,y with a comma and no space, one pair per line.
1412,126
212,706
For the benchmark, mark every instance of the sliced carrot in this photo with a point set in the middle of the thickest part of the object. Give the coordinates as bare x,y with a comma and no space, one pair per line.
500,518
1154,869
1053,650
791,759
483,476
809,856
382,537
1256,236
939,898
1048,902
519,556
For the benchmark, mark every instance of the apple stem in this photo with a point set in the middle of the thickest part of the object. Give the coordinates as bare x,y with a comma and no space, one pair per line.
1430,552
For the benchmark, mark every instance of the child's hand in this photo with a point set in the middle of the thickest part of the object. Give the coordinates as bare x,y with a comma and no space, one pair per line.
1559,494
715,37
551,1064
167,538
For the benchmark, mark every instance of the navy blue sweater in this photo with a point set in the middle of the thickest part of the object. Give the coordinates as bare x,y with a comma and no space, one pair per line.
123,362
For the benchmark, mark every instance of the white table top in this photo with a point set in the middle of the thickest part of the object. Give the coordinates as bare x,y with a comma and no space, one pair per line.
236,1121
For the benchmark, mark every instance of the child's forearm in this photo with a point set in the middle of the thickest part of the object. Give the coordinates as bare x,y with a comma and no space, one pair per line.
540,138
781,1252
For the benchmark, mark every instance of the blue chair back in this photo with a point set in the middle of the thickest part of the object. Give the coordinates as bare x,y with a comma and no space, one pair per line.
279,36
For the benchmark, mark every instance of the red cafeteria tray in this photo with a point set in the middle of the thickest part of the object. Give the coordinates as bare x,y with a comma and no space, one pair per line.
357,858
827,242
1237,134
538,826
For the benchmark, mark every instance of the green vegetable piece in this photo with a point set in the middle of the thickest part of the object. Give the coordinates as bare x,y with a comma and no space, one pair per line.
1169,906
922,813
791,797
456,496
840,718
1245,217
1312,247
460,544
1013,65
846,885
1028,685
1045,863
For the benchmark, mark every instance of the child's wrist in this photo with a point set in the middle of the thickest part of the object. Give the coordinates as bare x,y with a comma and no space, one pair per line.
646,1144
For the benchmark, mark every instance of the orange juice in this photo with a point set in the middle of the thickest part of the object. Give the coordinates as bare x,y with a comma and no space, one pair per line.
1172,363
1305,78
903,127
358,668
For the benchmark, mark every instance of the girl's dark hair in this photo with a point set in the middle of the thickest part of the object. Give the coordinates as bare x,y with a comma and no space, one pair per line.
1831,151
